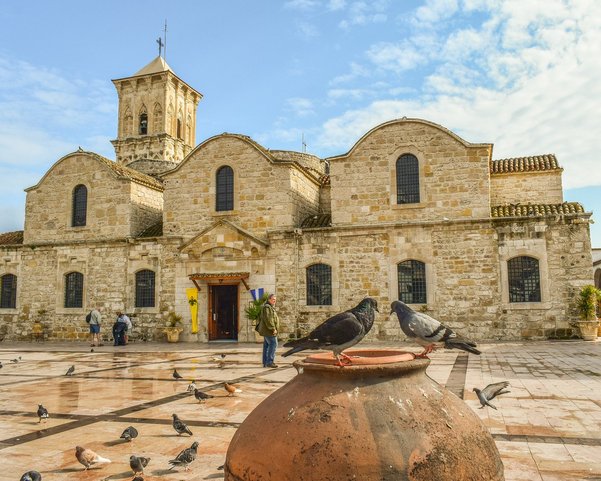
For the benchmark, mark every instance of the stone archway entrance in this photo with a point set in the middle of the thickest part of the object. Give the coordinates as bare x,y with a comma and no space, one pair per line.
223,312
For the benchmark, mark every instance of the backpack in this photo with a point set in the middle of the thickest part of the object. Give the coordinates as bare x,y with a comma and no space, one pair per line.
89,317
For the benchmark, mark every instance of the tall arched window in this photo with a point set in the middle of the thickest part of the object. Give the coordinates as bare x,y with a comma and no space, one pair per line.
157,118
224,189
79,206
412,282
189,129
8,291
128,122
143,123
407,180
319,285
145,288
179,132
524,279
74,289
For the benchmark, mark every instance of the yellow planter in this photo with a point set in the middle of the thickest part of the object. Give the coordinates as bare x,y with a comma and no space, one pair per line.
173,333
588,330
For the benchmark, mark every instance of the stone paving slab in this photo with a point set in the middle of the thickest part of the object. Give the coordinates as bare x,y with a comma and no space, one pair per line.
548,428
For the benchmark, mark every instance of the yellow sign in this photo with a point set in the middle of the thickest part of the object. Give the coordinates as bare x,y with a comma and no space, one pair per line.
192,294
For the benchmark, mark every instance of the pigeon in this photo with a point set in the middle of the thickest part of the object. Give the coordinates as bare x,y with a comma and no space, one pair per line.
191,387
176,375
185,457
231,389
179,426
16,359
1,366
31,476
88,458
92,350
138,478
201,396
490,392
219,358
339,332
70,371
428,332
42,413
137,464
129,433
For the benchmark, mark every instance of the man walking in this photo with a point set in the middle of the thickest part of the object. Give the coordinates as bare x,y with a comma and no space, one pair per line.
268,327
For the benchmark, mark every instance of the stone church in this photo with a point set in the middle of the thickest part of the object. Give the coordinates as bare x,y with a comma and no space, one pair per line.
412,212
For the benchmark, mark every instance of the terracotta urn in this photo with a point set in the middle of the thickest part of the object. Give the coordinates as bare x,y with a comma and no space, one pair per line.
380,419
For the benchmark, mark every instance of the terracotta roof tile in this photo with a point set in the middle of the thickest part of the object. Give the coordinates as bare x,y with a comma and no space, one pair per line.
11,238
535,163
130,174
536,210
319,220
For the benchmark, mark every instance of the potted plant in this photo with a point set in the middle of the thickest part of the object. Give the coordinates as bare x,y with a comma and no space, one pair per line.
252,313
587,302
173,328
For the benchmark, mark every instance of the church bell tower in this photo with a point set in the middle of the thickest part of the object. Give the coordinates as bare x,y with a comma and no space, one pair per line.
157,119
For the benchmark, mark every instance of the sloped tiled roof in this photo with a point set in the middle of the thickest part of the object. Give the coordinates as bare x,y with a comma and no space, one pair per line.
11,238
130,174
318,220
536,210
535,163
155,66
155,230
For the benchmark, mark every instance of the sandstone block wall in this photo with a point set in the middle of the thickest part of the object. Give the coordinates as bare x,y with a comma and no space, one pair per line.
526,188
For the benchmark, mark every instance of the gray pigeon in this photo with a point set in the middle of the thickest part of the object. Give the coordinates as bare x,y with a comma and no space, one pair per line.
339,332
201,396
176,375
138,463
179,426
70,371
185,457
428,332
31,476
42,413
129,433
138,478
191,386
490,392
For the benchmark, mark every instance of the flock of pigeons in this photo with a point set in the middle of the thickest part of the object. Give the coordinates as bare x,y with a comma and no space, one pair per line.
89,458
337,334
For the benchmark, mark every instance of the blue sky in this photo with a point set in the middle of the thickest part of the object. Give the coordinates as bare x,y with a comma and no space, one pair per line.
523,75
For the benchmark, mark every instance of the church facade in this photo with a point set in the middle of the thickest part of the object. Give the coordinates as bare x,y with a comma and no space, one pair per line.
411,212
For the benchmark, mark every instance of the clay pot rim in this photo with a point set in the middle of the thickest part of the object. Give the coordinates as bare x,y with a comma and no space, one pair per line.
384,360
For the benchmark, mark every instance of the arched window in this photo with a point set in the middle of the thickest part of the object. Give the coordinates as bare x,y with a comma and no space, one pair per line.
145,288
412,282
157,118
128,122
524,279
319,285
74,289
598,278
143,124
225,189
189,129
80,206
407,180
8,291
169,120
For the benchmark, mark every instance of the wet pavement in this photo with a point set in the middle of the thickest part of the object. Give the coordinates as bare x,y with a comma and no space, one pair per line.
547,428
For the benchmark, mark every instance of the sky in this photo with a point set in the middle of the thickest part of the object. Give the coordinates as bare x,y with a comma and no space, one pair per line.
521,74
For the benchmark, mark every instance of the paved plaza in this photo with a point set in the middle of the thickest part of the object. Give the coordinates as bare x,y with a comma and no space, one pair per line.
547,428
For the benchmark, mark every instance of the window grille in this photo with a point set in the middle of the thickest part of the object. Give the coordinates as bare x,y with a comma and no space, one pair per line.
319,285
80,206
407,179
524,279
8,291
145,288
74,289
225,189
412,282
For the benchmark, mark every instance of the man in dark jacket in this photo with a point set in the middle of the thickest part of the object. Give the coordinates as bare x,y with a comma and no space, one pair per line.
268,327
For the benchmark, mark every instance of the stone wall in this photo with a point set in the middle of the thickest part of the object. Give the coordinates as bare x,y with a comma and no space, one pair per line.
453,176
526,188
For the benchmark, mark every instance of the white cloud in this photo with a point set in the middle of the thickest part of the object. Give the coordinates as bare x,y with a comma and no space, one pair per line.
307,30
526,79
362,13
301,107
